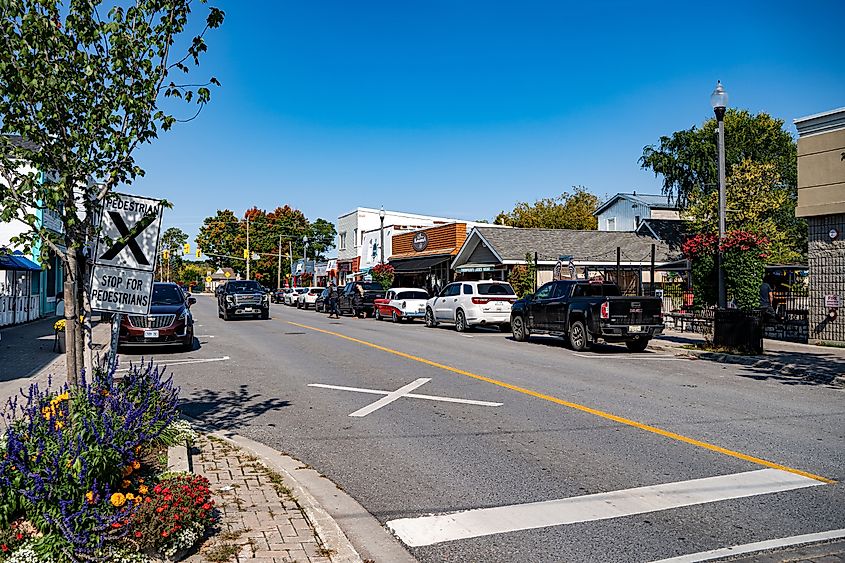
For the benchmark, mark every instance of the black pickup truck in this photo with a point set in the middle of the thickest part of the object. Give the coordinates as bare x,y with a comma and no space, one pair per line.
358,297
584,312
243,297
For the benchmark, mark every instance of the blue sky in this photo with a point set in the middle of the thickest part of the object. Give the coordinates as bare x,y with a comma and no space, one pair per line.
461,108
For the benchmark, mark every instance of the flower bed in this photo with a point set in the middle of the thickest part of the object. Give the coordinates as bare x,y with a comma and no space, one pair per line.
79,480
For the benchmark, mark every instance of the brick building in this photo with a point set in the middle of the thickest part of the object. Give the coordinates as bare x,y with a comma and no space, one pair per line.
821,201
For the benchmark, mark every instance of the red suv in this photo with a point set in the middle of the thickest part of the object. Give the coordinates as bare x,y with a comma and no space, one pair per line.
169,320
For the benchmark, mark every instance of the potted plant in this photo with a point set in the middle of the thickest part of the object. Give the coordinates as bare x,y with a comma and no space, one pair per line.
59,338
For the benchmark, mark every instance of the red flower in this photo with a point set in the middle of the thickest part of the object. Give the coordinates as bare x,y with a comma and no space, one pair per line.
138,534
164,534
115,524
4,547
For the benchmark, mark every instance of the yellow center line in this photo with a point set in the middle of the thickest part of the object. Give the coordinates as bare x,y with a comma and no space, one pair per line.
576,406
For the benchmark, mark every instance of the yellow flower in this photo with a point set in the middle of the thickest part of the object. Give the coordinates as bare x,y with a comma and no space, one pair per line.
59,325
136,464
130,496
125,484
143,489
118,500
69,463
89,496
59,425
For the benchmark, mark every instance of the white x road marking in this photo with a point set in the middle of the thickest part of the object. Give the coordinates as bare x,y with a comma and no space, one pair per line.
405,391
428,530
186,361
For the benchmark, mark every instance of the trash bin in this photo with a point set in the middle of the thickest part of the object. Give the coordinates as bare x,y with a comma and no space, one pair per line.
738,330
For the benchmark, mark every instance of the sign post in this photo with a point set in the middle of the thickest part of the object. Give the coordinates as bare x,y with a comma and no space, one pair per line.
125,259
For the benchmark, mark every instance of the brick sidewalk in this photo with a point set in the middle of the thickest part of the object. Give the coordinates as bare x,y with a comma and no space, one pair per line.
261,521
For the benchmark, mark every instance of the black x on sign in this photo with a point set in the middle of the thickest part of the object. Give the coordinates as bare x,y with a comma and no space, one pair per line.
129,232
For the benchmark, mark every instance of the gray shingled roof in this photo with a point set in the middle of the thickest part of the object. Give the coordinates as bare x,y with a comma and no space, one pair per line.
671,231
583,246
18,141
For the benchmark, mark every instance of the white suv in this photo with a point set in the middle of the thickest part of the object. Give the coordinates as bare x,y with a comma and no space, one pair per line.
472,303
308,298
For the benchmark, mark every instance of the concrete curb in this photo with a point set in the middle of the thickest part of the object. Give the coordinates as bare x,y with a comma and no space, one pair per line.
362,538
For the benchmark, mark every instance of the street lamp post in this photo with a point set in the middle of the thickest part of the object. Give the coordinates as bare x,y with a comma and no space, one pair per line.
381,245
305,256
719,101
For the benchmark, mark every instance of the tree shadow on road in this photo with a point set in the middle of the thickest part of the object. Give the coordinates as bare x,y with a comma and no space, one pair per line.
224,410
796,369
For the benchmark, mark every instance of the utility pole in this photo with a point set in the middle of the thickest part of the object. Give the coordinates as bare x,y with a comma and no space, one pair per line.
279,274
290,249
248,255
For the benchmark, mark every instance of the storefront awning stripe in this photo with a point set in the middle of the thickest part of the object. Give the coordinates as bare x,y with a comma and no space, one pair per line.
411,265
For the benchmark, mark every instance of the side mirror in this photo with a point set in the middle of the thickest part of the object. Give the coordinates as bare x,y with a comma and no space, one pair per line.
191,301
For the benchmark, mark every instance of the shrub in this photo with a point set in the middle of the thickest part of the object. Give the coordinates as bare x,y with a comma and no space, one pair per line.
744,265
174,516
67,454
383,274
700,250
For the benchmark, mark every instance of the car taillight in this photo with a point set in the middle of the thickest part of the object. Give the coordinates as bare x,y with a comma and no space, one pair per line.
480,300
605,310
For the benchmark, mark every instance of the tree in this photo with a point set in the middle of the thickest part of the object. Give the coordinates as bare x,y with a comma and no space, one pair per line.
172,240
756,201
568,211
83,92
688,159
193,273
223,238
523,277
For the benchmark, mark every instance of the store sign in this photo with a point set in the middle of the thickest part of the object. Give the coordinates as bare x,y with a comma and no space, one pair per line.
420,241
832,301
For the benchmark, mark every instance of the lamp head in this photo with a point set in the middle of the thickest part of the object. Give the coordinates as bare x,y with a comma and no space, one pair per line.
381,212
719,98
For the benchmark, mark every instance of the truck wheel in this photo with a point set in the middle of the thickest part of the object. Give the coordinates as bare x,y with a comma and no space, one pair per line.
377,314
226,316
578,336
429,319
265,315
518,329
638,345
394,317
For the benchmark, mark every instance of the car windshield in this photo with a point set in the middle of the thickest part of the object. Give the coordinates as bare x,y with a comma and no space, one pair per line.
412,295
167,295
495,289
243,286
372,286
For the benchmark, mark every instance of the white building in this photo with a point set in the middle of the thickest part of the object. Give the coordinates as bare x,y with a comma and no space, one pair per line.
359,236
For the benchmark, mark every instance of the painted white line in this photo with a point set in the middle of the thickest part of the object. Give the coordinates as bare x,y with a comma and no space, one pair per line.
183,362
409,395
204,335
756,546
627,357
428,530
390,397
467,336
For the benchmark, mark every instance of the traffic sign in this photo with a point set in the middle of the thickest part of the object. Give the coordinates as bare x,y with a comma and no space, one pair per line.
227,274
125,255
208,279
121,290
129,230
186,248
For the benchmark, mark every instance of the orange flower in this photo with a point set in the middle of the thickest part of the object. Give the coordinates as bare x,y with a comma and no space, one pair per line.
143,489
118,500
127,471
125,484
136,464
89,496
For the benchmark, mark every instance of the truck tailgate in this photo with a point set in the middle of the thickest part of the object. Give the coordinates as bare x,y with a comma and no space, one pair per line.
635,310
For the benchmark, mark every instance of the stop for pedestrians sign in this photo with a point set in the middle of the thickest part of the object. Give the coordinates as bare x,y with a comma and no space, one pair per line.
125,254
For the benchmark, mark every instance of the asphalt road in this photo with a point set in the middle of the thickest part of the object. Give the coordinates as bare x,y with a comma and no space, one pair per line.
568,425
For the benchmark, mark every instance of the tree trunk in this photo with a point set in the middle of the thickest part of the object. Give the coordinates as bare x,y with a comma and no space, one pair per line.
72,328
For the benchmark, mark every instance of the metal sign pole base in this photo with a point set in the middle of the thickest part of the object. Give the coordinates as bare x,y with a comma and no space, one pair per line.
115,335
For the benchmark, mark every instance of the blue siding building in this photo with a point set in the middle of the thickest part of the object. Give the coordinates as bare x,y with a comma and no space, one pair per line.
625,212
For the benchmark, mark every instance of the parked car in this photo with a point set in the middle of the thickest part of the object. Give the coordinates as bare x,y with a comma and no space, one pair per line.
307,298
401,303
278,296
358,297
168,322
241,298
472,303
321,303
585,312
290,298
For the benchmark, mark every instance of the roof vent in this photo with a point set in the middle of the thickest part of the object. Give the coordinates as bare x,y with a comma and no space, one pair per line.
635,192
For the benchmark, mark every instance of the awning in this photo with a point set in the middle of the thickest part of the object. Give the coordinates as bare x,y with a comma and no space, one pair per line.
412,265
470,267
17,261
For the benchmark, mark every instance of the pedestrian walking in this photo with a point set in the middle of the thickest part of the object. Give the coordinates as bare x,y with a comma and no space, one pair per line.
333,298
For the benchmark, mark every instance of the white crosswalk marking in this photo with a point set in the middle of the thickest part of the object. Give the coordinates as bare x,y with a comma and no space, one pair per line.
428,530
